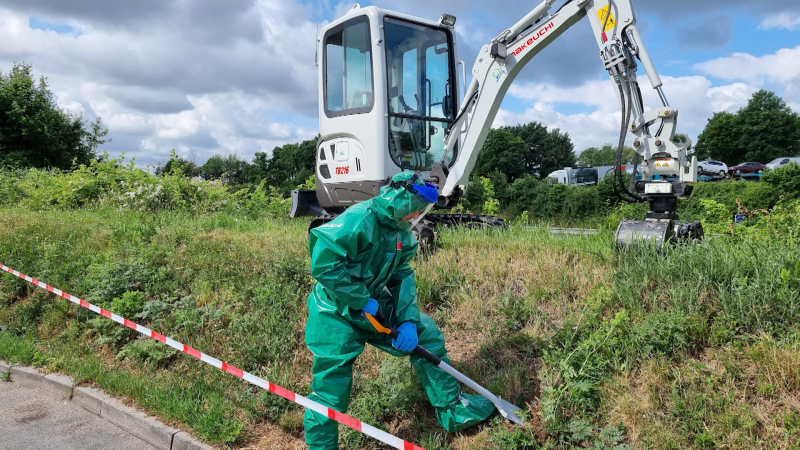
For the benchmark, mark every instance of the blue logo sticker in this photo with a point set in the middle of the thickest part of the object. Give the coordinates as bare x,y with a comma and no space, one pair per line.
498,73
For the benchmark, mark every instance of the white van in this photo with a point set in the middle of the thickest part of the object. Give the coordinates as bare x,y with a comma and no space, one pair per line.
575,176
780,162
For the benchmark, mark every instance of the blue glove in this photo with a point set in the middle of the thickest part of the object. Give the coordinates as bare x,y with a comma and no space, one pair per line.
407,340
371,308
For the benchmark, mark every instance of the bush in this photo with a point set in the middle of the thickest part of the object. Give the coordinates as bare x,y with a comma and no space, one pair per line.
129,305
113,183
474,198
751,195
605,189
785,179
542,199
582,201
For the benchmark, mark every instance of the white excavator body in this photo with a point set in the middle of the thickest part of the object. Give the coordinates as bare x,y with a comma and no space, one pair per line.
389,101
387,94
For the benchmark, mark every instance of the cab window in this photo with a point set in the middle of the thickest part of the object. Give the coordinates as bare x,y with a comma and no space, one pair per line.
421,94
348,69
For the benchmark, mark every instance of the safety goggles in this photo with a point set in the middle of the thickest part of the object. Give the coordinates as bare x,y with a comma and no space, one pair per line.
427,193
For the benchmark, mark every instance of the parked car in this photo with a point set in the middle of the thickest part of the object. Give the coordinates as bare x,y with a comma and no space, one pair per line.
780,162
748,167
604,171
713,166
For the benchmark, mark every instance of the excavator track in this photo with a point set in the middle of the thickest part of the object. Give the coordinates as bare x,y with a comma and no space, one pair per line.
444,220
426,231
466,220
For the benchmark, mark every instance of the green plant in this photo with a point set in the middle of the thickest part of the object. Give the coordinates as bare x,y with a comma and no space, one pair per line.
394,391
29,314
600,338
609,438
490,205
518,437
717,218
129,305
36,131
149,352
785,179
792,422
580,357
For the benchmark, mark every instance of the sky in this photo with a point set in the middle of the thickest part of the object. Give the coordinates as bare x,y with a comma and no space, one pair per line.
238,76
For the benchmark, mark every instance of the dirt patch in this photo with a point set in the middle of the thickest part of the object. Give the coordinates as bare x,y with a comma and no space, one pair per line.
268,436
464,345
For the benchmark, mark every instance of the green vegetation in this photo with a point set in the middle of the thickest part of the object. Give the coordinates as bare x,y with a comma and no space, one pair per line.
743,136
288,167
592,206
529,149
605,156
690,347
35,132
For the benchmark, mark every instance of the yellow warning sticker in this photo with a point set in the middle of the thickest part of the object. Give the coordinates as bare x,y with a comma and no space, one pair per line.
602,13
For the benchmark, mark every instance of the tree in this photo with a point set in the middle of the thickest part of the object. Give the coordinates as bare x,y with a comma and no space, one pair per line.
547,150
35,132
290,165
502,152
179,165
229,169
763,130
605,156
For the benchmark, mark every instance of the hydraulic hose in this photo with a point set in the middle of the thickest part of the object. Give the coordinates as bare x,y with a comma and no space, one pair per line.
623,134
605,23
615,185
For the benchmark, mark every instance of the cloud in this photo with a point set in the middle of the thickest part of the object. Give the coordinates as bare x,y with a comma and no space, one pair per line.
694,97
216,77
787,20
779,71
238,76
676,11
783,65
712,33
222,21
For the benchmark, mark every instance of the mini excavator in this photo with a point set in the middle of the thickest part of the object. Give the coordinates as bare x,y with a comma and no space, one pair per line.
389,101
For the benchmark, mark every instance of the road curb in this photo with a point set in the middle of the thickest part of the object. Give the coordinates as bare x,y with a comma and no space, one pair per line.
183,441
26,376
89,399
139,424
58,384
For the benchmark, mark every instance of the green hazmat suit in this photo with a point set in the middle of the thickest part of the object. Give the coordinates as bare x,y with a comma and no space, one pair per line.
364,253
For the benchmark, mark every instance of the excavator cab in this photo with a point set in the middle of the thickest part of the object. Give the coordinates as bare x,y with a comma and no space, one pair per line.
388,92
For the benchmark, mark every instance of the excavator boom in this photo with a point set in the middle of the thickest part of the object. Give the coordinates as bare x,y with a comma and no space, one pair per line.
666,164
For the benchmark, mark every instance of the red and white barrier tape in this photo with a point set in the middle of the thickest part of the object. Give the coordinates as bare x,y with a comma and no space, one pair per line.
355,424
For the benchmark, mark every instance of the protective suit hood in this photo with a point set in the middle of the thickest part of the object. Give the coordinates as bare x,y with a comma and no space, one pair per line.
395,203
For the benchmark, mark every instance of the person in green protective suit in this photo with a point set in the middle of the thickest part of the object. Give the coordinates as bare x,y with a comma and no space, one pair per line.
361,263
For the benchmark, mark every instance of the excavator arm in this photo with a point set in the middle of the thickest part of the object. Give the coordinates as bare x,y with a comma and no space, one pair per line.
663,152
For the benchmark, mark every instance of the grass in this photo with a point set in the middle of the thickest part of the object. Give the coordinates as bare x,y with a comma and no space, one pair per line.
694,347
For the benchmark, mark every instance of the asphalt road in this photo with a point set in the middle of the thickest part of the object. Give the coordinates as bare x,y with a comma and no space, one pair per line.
31,419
